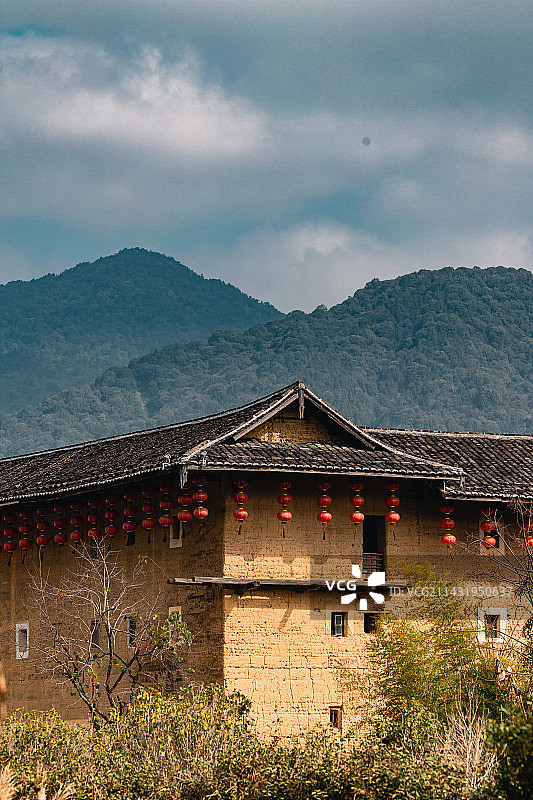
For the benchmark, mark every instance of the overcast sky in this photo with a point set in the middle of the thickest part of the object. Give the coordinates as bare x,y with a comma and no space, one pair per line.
296,149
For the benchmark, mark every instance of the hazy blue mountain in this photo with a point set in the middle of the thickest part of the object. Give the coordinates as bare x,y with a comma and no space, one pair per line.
447,349
64,330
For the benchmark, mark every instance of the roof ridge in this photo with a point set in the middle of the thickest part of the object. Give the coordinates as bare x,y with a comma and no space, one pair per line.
427,432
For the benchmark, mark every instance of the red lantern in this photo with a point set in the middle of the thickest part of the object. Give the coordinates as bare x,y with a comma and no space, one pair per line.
111,500
529,541
42,540
357,487
129,526
447,524
444,509
42,512
148,524
166,520
10,547
284,485
148,508
25,543
487,511
42,525
240,514
10,532
239,482
111,530
528,526
487,525
184,515
130,511
393,501
392,517
92,503
76,506
10,517
324,517
166,505
184,500
76,522
60,524
324,500
393,487
489,542
148,493
448,539
25,529
61,538
129,497
199,481
200,496
25,514
357,500
111,515
323,486
94,533
240,497
357,517
200,512
93,519
165,489
60,509
284,516
76,536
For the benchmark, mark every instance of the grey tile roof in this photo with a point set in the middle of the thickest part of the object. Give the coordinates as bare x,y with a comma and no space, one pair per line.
495,466
471,465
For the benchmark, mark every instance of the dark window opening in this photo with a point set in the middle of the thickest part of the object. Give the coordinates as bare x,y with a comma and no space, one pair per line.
95,633
370,623
335,717
338,623
373,544
492,626
132,630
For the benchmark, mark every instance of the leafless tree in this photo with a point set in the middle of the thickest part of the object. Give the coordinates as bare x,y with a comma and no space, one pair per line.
101,632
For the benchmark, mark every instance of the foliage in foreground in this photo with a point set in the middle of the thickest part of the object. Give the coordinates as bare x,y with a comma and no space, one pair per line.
194,746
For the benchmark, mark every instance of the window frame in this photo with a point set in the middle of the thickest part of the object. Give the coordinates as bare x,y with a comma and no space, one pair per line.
22,654
501,613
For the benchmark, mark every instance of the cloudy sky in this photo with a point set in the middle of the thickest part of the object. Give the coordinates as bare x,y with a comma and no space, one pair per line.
297,149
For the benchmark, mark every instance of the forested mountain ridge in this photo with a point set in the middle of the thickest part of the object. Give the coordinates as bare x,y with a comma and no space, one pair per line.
64,330
449,349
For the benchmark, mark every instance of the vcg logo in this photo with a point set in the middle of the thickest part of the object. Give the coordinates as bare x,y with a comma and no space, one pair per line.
349,588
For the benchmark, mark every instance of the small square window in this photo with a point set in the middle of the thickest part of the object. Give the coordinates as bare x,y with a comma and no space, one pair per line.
131,631
335,717
338,623
175,538
22,633
492,624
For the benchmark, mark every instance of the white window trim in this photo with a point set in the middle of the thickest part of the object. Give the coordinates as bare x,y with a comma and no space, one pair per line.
20,626
175,541
499,612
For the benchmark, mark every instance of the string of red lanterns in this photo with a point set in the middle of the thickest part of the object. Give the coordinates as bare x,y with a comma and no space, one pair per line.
487,525
240,497
200,496
284,500
357,501
324,501
392,516
447,524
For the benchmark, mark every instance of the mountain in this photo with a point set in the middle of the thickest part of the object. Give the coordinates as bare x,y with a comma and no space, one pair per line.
450,349
64,330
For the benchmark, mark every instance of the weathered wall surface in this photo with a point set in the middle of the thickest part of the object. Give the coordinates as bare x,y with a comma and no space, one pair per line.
200,553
